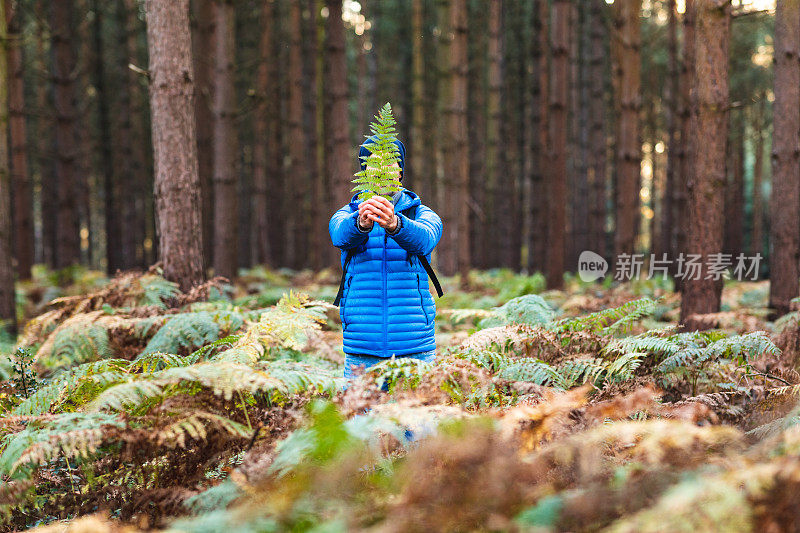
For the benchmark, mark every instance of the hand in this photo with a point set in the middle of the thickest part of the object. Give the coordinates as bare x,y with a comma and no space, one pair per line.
377,209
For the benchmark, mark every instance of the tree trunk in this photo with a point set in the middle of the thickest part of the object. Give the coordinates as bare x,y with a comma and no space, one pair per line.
734,197
597,136
132,183
785,199
683,151
311,232
204,37
68,224
296,184
20,179
112,204
671,97
7,294
556,184
706,187
626,44
266,139
581,201
177,186
494,154
510,178
476,118
45,142
339,163
455,242
542,34
225,142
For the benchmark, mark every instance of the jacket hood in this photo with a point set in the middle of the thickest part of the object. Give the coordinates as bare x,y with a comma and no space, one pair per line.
407,199
363,151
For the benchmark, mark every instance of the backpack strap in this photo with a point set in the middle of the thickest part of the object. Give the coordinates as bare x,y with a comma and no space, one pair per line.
350,254
412,214
431,274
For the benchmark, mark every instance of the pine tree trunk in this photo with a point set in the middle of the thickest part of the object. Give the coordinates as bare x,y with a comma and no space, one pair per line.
455,253
494,166
784,206
7,295
734,198
509,179
112,196
541,251
534,150
204,37
597,136
337,124
528,112
132,182
226,238
20,178
84,141
581,202
296,184
264,162
671,97
476,118
67,244
177,185
557,167
709,118
46,141
626,45
683,151
312,230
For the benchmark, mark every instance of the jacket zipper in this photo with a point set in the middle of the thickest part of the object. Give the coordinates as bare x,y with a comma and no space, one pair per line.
385,299
421,299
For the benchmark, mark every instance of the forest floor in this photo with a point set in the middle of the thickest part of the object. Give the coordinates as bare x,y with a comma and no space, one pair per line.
126,405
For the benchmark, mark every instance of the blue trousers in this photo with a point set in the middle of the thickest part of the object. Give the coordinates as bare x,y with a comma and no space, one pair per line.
353,361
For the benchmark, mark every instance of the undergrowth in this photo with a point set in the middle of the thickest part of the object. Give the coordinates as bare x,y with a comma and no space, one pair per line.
225,409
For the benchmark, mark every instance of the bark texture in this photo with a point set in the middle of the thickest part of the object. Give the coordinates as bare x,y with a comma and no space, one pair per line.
225,143
626,52
67,228
177,186
339,161
557,168
7,299
706,186
785,199
456,249
20,178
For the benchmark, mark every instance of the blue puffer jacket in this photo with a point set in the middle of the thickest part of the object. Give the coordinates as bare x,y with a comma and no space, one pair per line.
387,308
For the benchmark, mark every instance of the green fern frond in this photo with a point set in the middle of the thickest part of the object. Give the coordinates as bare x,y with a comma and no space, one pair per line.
582,370
530,309
195,426
379,177
609,321
534,371
73,434
67,384
78,345
212,499
156,291
189,331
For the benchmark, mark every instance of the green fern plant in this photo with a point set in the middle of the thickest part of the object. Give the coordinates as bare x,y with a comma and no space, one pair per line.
379,177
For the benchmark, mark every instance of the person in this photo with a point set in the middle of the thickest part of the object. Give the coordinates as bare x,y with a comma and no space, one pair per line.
386,306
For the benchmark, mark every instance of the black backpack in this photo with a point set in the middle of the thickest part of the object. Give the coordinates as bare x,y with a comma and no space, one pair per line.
412,214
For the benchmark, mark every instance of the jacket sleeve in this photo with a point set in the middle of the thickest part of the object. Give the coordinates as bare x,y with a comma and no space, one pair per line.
419,236
344,230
